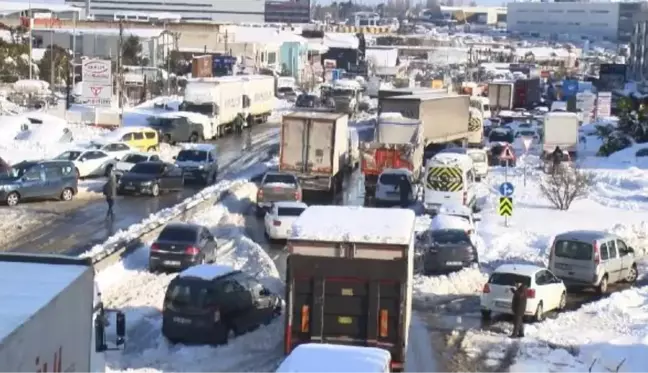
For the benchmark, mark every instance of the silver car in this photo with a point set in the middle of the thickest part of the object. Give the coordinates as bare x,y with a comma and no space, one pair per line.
592,259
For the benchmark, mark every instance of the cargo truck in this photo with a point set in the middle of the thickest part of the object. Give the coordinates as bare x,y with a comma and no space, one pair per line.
201,66
349,279
445,117
314,146
500,95
52,317
259,98
398,143
221,99
526,93
475,128
560,129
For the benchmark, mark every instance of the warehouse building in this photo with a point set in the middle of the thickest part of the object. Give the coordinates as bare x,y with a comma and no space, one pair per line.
602,20
638,58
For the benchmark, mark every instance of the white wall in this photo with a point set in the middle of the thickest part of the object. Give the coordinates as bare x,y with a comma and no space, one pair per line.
574,18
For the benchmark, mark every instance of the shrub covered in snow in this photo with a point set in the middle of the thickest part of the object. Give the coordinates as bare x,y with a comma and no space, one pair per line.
565,185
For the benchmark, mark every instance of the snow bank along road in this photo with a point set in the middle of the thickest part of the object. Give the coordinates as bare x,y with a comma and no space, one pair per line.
76,231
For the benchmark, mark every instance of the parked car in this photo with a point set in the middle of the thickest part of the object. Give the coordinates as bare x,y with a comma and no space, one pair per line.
177,127
181,245
115,149
280,218
592,259
199,162
205,303
129,160
141,138
38,180
88,162
274,187
152,178
545,291
449,250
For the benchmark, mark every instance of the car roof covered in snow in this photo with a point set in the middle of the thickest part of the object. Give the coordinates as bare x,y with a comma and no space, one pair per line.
451,159
355,224
584,235
396,171
519,269
27,286
207,272
321,357
443,221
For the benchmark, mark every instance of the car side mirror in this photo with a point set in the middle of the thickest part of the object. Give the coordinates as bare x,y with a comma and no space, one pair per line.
630,250
264,292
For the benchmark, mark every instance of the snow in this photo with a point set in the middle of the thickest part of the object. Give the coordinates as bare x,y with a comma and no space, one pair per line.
520,269
207,271
321,357
442,221
355,224
37,284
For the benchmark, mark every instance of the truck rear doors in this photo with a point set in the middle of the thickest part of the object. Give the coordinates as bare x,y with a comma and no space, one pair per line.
307,145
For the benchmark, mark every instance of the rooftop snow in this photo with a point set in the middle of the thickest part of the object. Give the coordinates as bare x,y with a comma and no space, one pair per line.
25,288
207,271
355,224
441,222
320,357
140,33
521,269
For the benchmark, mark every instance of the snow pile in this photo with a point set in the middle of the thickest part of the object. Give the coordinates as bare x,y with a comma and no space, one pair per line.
439,289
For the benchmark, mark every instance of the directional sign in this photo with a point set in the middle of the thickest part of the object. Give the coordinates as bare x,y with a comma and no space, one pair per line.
506,189
506,206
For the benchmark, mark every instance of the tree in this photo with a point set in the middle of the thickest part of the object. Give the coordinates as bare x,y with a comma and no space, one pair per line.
565,185
132,51
59,59
632,127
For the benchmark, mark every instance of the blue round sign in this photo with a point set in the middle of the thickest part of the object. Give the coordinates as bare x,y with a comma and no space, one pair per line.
506,189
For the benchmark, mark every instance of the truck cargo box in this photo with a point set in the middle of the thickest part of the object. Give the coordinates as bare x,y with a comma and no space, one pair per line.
500,95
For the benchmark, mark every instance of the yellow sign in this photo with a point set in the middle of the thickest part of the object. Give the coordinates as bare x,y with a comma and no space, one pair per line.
506,206
437,84
345,320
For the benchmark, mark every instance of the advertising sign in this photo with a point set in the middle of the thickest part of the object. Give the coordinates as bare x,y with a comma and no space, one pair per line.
97,82
585,87
569,88
604,104
96,94
612,76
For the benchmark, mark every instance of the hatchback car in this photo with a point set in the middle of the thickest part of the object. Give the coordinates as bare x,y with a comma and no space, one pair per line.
280,218
205,303
545,291
181,245
151,178
128,161
449,250
40,179
388,187
592,259
88,162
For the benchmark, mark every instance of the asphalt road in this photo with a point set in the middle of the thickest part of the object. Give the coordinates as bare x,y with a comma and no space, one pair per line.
75,230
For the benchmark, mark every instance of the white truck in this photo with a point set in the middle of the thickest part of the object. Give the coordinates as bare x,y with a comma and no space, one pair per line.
475,128
500,95
221,99
560,129
52,317
314,146
259,98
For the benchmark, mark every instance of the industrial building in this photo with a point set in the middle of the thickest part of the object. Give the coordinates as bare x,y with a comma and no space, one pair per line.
475,14
603,20
288,11
638,58
39,10
226,11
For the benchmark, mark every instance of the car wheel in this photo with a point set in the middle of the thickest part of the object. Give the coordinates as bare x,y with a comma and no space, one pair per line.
563,301
155,190
12,199
633,274
67,194
603,286
539,314
108,170
485,314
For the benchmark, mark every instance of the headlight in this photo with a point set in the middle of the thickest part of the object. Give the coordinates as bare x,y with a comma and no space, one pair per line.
147,183
201,167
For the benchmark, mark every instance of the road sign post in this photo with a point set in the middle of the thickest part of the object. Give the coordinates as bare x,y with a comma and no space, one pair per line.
507,156
505,209
527,145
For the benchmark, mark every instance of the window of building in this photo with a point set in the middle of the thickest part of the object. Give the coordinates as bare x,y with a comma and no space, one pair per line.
575,11
272,57
536,22
521,22
522,11
555,11
538,10
602,24
599,11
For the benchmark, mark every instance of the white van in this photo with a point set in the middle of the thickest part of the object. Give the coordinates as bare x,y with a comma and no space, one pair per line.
322,357
482,104
480,162
449,178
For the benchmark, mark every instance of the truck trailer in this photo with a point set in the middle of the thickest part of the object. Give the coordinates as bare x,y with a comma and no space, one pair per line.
259,98
500,95
349,279
314,146
221,99
526,93
52,317
560,129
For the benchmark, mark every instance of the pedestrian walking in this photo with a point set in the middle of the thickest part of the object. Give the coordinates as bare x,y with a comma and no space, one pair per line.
110,191
405,189
556,159
518,307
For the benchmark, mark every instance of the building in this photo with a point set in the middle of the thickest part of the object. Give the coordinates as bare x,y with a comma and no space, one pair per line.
474,14
226,11
638,59
291,11
39,10
601,20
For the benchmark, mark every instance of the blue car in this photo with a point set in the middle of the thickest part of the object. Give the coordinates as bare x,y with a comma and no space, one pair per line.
38,180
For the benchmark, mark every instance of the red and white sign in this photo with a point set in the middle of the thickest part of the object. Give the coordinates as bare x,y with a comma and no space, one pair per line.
96,95
507,154
527,142
96,71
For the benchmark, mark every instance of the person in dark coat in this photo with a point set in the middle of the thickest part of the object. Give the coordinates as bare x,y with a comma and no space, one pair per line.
556,158
518,307
405,189
110,191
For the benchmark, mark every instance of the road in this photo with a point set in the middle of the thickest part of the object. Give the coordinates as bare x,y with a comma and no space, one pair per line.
76,230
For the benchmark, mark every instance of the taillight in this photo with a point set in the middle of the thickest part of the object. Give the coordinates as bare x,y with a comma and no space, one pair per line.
260,194
384,314
469,232
486,289
155,247
597,255
465,198
192,250
305,319
530,293
276,223
298,195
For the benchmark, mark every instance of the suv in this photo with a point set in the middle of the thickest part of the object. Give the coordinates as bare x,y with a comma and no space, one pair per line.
274,187
591,258
39,179
174,128
198,162
206,302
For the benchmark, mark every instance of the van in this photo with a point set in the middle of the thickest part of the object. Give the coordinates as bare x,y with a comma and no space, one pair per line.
144,139
449,177
38,180
592,259
323,357
480,162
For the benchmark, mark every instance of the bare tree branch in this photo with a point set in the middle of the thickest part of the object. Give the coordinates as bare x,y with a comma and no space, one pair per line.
565,185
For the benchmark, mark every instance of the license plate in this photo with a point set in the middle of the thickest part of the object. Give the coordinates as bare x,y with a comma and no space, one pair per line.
453,263
345,320
172,262
181,320
503,304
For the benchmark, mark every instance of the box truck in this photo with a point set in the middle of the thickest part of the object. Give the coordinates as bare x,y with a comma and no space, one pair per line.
500,95
349,279
560,129
259,98
52,317
221,99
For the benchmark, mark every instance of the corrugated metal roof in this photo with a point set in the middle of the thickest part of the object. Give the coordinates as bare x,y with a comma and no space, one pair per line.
141,33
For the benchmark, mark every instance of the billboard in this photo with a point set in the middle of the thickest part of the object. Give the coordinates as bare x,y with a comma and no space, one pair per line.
569,88
612,76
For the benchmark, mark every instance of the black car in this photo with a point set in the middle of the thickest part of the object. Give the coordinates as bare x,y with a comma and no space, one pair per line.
151,178
181,245
305,100
204,303
199,162
448,250
174,128
495,155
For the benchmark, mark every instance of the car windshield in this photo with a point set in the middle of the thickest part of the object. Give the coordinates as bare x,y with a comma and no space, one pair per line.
69,156
135,158
509,279
178,234
290,211
205,109
573,250
285,89
18,170
526,133
477,157
454,150
279,178
186,293
450,237
391,179
161,122
148,168
191,156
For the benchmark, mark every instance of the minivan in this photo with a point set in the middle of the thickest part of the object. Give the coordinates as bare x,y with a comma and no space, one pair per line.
39,179
207,302
592,259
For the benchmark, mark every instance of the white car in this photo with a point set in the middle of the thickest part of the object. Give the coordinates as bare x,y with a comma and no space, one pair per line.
545,291
115,149
460,211
388,187
280,218
89,162
131,159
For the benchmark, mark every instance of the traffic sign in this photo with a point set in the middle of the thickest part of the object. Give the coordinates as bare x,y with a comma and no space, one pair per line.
506,189
506,206
527,142
507,154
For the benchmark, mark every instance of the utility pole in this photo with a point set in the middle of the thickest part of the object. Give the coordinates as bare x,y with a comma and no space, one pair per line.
52,57
31,51
120,73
